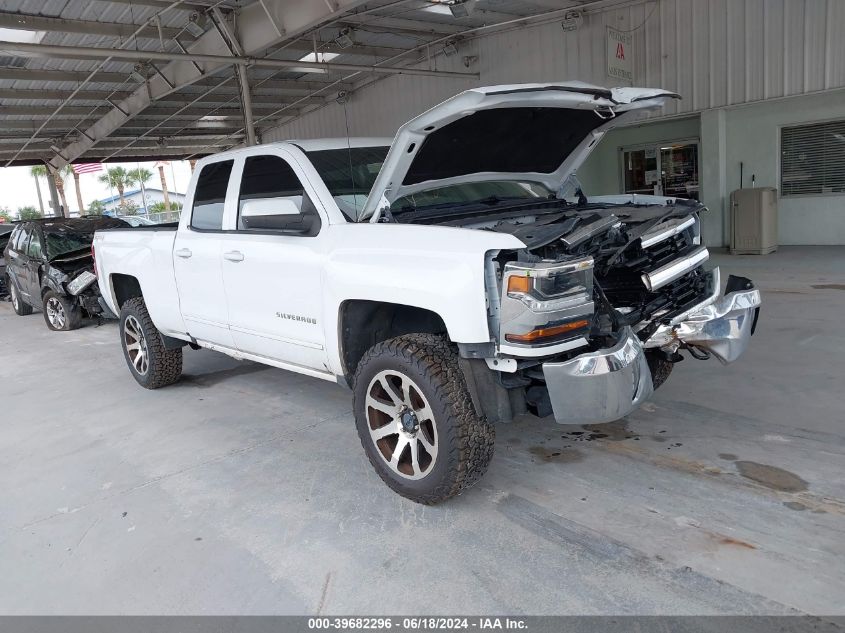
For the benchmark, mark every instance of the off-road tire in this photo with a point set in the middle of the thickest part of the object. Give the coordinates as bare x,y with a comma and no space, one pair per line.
21,307
72,312
164,365
464,438
660,369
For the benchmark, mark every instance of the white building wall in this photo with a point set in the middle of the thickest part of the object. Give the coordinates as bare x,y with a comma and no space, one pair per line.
744,56
715,53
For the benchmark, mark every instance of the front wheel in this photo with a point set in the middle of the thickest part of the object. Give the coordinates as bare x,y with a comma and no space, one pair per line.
151,363
60,313
21,308
416,420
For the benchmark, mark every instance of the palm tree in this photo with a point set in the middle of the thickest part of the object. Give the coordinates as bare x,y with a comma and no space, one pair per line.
118,178
121,178
39,171
139,177
78,190
164,192
61,175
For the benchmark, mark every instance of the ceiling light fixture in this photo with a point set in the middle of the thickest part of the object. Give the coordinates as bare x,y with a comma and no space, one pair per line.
462,8
455,8
320,58
450,49
139,73
193,26
344,39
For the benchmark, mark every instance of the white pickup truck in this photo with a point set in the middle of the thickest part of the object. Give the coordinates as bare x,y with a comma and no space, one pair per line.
453,278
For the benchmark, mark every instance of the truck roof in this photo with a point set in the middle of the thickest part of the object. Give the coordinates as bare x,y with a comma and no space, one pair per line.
311,145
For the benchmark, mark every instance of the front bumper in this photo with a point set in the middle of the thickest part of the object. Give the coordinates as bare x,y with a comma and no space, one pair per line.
722,325
600,386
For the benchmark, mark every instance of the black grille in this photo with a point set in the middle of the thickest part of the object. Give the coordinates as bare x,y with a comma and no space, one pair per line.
623,284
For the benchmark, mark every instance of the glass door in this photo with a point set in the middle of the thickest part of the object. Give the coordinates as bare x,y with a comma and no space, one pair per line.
666,169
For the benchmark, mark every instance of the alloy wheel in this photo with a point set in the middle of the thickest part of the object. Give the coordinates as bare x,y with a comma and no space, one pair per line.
136,345
401,424
56,313
14,294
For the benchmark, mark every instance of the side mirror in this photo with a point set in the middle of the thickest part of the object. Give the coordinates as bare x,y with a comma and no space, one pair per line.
274,214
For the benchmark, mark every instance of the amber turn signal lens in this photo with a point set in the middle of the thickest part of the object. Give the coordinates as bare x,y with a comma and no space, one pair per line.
519,283
543,333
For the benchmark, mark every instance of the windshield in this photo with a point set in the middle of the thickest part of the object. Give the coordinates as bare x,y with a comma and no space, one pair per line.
66,241
349,174
68,236
468,193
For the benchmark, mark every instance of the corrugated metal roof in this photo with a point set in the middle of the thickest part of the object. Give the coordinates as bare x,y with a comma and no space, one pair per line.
372,26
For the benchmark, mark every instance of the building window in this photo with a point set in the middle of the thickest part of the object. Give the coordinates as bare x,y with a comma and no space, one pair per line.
663,169
812,159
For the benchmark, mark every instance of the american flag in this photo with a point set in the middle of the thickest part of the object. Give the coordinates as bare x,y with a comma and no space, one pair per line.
87,168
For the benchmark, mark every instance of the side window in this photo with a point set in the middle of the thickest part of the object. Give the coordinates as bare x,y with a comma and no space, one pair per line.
22,239
13,238
210,196
272,198
34,250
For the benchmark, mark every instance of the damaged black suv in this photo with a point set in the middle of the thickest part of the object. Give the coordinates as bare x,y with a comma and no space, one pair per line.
49,267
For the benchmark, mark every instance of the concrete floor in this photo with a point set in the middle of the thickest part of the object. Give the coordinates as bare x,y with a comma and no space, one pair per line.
243,489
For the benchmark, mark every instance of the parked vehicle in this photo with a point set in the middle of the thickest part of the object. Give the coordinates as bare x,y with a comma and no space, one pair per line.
49,266
456,279
5,233
136,220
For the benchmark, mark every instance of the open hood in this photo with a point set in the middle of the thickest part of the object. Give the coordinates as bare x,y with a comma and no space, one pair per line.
525,132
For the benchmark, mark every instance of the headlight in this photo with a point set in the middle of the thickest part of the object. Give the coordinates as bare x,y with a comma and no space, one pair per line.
545,303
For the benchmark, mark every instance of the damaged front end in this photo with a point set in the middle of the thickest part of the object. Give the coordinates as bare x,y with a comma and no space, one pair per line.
73,275
604,295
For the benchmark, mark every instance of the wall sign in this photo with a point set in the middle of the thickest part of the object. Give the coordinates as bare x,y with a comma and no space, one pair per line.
620,49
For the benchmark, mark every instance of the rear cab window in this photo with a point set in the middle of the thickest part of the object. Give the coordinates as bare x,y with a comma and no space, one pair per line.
210,196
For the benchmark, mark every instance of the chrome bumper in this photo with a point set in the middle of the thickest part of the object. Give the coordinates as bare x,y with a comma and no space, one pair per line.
599,386
722,325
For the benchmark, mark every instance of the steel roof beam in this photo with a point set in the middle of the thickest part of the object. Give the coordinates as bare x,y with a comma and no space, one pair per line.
217,60
102,95
41,75
401,25
29,22
258,26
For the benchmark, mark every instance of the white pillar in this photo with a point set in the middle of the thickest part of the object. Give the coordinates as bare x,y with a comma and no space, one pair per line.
713,173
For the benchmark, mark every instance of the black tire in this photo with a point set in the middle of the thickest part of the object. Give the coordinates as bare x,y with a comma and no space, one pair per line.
21,307
60,313
158,366
660,369
463,439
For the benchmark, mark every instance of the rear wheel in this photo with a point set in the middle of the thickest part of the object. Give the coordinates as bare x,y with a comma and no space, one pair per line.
60,313
151,363
416,420
21,308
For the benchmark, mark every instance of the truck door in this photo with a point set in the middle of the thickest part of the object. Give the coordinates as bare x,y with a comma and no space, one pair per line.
272,264
197,258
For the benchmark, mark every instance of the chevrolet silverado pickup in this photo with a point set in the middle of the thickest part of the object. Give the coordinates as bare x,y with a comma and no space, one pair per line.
453,278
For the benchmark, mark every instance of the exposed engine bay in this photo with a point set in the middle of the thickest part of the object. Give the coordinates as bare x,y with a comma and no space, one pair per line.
73,275
646,260
634,265
598,297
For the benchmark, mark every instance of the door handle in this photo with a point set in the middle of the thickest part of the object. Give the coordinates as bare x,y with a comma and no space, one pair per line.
184,253
234,256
